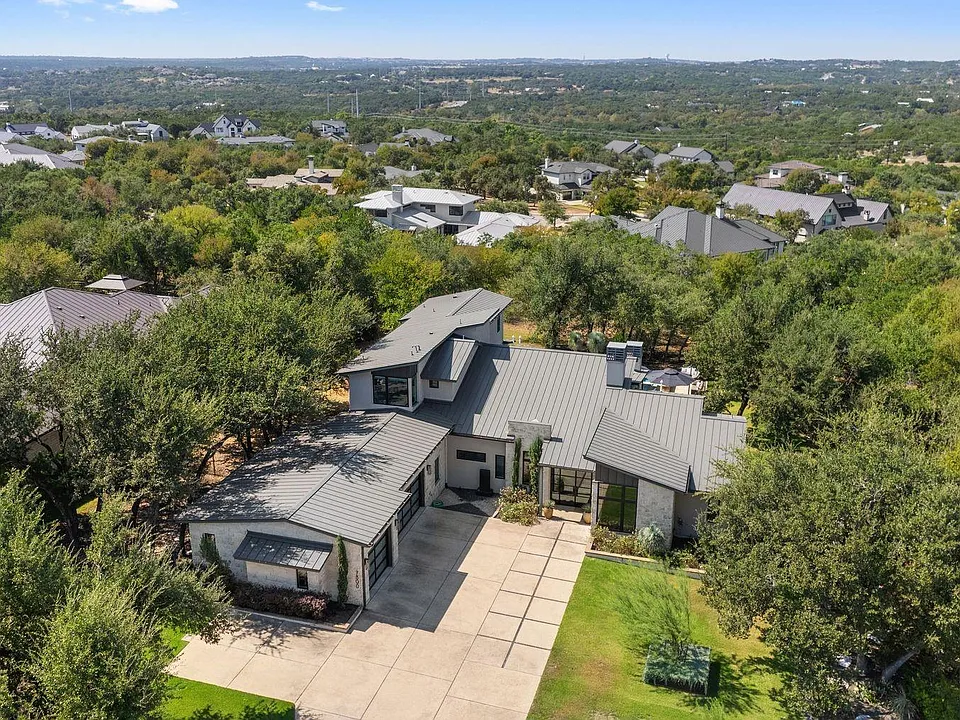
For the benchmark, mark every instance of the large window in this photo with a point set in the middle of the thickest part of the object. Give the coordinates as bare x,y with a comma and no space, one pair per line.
617,505
500,467
570,487
456,210
303,581
391,390
471,456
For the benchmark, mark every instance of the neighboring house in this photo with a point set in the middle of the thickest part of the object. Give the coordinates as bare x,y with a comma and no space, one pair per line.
824,212
227,126
572,179
320,179
41,130
75,156
779,172
11,153
494,226
9,137
431,137
686,154
446,211
257,140
393,173
58,309
5,108
332,129
84,131
148,131
629,147
712,235
442,402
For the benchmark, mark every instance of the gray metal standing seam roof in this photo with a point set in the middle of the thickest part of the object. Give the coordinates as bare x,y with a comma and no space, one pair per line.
568,390
427,326
706,234
622,446
283,551
342,477
449,360
768,202
55,309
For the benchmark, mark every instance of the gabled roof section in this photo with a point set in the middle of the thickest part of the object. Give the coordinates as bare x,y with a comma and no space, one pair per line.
576,166
707,234
427,326
768,202
450,360
115,283
624,447
56,309
383,199
568,390
342,477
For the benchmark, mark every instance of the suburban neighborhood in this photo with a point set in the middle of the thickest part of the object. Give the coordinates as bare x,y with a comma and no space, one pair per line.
436,375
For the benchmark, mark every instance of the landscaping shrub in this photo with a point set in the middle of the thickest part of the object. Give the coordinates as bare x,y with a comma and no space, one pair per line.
648,542
281,601
934,696
651,542
689,670
518,506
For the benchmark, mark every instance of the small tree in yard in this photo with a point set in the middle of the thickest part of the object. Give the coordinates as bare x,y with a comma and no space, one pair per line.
552,211
343,572
536,448
517,450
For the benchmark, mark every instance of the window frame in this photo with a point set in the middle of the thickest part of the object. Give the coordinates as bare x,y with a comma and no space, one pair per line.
303,579
500,467
580,480
385,394
434,384
455,211
626,522
471,456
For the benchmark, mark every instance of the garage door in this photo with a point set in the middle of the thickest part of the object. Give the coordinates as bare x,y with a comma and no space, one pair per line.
413,503
380,557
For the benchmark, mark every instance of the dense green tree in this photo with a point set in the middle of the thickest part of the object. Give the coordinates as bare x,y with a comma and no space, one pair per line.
849,550
803,181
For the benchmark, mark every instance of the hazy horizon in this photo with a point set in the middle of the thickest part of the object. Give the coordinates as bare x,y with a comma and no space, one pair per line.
698,30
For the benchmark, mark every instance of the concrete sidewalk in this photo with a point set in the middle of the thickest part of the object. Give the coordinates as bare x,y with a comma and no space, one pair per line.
460,628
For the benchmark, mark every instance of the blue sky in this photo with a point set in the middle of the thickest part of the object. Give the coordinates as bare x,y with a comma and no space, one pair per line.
695,29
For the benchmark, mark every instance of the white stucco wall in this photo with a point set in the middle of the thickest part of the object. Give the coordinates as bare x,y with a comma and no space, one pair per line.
486,333
230,535
361,389
466,473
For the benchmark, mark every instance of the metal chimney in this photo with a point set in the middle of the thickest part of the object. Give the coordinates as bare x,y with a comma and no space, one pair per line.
310,164
397,191
721,210
616,364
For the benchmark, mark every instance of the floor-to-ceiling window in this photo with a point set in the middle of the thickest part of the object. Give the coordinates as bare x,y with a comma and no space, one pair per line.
570,487
617,502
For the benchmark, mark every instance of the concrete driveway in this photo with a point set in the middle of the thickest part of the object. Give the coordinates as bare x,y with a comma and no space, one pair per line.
460,628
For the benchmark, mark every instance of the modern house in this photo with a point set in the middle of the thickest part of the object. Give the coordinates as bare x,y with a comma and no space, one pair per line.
320,179
442,402
415,135
78,132
779,172
630,147
227,126
702,234
393,173
446,211
331,129
572,179
686,154
41,130
824,212
11,153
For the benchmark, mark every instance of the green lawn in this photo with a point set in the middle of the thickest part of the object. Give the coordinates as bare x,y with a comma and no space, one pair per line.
594,673
190,700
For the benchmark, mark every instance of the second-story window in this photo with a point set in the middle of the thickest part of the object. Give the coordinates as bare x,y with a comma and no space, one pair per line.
429,208
391,391
456,210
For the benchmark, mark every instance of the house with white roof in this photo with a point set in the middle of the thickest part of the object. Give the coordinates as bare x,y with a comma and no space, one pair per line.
426,135
148,131
447,211
41,130
11,153
442,402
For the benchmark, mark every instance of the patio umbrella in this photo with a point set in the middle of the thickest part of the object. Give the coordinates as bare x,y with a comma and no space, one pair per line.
670,377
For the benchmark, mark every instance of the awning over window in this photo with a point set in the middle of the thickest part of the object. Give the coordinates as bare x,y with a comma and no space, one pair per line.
283,551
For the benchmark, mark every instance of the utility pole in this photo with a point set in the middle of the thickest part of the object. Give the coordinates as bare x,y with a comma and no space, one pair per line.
328,103
420,93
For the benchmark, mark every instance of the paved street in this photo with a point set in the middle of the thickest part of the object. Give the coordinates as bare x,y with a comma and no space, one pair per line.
460,628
